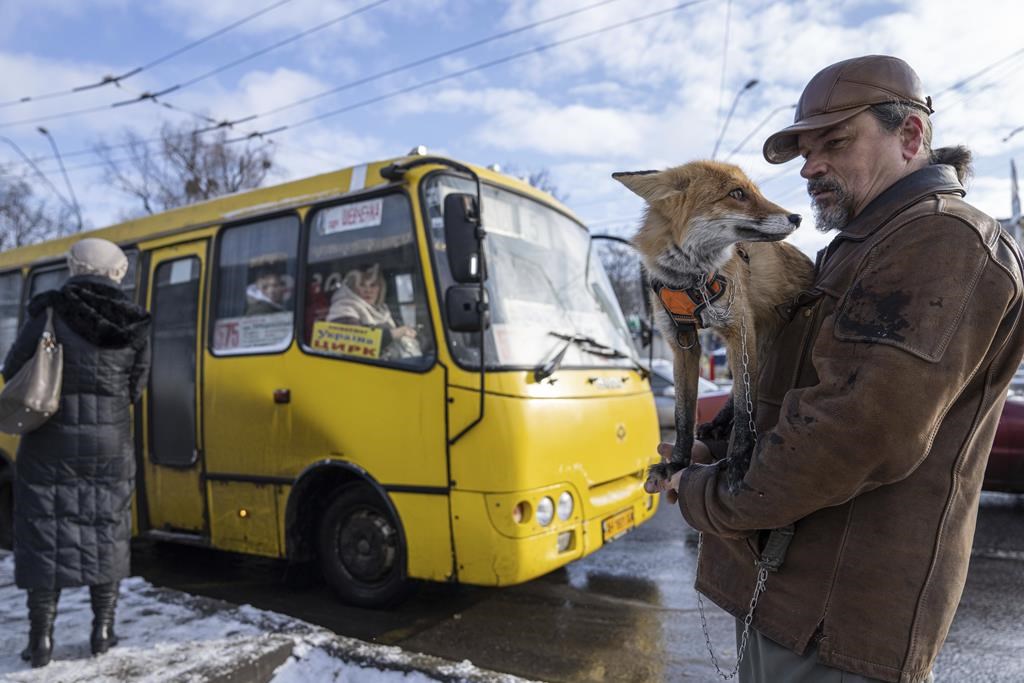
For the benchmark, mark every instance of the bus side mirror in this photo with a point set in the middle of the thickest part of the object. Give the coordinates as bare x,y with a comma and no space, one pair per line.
464,309
463,236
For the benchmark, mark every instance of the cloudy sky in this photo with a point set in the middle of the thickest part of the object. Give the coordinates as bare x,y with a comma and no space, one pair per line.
650,93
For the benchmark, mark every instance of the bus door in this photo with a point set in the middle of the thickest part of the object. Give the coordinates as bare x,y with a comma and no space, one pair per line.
174,456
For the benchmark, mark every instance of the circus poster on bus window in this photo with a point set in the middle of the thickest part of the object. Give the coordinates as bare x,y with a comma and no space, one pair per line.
339,339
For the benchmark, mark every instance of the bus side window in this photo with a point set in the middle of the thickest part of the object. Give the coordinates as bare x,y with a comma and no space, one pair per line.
365,297
255,287
44,280
10,297
130,283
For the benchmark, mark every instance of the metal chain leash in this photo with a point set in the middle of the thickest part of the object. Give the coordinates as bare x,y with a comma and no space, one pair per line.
762,574
746,383
762,578
718,316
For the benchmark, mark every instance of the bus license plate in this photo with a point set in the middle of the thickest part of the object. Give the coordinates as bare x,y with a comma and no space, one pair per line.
617,524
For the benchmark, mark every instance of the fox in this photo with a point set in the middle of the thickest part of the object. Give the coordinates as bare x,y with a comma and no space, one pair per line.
712,245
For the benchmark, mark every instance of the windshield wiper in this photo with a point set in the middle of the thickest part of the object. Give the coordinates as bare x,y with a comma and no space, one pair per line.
598,349
590,345
587,344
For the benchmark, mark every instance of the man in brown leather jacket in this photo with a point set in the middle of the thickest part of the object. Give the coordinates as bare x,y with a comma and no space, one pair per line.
878,403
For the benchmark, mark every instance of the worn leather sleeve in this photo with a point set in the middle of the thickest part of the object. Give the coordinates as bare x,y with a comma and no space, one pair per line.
896,352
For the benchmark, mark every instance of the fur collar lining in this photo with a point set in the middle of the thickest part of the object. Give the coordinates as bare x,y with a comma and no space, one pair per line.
96,309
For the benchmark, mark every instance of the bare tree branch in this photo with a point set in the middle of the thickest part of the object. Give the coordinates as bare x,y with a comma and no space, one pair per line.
622,264
188,168
26,219
541,179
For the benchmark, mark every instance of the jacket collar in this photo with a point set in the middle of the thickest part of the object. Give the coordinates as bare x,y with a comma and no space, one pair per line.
904,193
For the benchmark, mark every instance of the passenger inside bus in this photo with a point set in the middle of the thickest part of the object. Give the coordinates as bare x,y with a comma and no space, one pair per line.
269,289
360,300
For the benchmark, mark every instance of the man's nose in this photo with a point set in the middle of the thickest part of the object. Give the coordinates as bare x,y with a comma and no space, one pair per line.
812,168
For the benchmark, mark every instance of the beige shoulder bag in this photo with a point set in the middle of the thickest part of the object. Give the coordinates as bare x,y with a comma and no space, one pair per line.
33,394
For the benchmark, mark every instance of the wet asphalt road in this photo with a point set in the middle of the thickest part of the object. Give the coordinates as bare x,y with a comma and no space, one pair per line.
626,613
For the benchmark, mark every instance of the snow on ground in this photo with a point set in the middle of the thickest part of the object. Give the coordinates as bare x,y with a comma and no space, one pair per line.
168,636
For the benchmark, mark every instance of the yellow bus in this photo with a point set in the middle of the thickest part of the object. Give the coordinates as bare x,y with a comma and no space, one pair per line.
320,392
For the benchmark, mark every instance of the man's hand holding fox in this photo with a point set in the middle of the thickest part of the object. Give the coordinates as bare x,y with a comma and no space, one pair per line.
700,455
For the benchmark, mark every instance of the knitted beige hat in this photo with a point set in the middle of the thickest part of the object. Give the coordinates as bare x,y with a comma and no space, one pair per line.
94,256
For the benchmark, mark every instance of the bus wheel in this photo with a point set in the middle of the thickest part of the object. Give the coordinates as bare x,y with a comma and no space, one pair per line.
6,510
361,552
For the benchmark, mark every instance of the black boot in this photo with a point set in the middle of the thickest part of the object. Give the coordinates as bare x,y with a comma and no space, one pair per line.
42,610
104,603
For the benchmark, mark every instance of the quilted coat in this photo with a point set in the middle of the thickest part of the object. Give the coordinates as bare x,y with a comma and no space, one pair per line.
76,473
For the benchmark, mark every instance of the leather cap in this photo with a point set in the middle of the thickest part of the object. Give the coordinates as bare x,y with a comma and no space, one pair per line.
842,91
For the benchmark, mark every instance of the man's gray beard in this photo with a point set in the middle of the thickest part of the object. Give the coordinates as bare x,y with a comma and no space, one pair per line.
837,213
833,217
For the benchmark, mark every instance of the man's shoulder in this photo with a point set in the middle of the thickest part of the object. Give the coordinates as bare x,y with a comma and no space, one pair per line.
951,224
956,207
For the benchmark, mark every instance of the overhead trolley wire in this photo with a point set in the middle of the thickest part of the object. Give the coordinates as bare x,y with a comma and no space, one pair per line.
108,80
161,103
453,75
39,173
148,95
362,81
977,74
425,60
478,67
993,78
263,51
81,152
145,143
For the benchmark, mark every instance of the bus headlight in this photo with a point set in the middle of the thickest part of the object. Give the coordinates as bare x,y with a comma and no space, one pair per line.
565,506
545,511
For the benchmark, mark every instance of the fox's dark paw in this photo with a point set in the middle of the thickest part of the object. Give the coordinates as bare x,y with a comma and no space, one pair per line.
662,472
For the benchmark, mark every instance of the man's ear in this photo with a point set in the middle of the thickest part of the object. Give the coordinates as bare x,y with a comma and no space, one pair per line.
911,136
651,185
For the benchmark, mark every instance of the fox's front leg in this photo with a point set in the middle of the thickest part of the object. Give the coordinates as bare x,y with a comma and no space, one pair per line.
743,438
686,369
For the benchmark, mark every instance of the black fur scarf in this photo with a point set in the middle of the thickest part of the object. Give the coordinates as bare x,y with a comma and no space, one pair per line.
96,309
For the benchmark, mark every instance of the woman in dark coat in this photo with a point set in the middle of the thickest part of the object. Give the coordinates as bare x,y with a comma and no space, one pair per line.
76,473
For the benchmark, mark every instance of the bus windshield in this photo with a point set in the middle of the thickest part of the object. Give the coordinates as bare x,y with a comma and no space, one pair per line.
543,285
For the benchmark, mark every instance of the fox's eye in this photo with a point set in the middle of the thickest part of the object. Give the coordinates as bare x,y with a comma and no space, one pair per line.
738,194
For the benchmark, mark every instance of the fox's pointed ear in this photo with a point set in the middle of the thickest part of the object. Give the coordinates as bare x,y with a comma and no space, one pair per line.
651,185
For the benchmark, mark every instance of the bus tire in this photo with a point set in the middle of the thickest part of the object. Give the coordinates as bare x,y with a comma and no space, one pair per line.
360,549
6,509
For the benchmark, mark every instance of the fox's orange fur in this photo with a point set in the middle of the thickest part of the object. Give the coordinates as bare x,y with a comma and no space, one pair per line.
705,217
